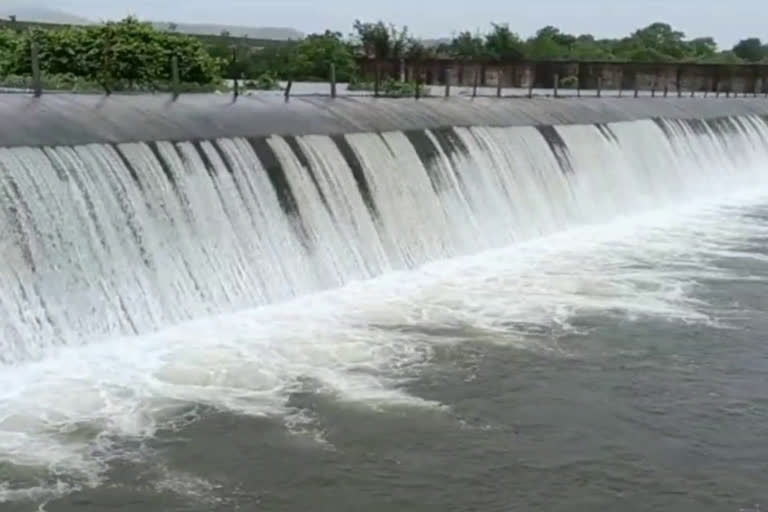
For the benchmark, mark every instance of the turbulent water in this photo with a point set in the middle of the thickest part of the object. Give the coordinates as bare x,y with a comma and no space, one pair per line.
211,290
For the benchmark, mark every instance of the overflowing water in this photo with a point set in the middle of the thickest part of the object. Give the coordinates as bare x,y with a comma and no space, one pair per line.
142,281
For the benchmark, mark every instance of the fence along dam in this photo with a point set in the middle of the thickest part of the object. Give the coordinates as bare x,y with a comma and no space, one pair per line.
123,217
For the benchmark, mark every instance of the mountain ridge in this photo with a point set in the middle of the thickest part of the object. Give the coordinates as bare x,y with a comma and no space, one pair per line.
56,16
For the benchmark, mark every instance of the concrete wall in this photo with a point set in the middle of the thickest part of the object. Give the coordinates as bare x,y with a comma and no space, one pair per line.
742,78
67,119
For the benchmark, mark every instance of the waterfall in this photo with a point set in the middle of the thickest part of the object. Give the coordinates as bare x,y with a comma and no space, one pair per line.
105,240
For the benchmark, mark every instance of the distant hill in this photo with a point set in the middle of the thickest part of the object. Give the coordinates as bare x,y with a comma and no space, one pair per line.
277,33
41,15
54,16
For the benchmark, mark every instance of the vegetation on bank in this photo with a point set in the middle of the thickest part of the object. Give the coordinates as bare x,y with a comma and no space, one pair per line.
117,56
132,55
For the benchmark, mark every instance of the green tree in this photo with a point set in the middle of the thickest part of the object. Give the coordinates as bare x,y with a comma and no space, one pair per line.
127,53
703,48
382,41
549,32
467,46
587,48
415,49
659,39
503,44
751,49
10,47
726,57
315,53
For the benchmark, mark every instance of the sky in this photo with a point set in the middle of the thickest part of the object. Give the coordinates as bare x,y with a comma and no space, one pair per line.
727,21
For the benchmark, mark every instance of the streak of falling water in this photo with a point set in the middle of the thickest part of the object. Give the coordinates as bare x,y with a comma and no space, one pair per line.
101,241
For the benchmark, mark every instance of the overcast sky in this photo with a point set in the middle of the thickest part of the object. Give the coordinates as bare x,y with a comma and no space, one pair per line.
727,21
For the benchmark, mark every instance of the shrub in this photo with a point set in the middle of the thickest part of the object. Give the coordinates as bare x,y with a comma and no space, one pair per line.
569,82
265,82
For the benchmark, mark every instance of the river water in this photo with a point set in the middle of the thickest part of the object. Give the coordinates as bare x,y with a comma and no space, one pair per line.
612,362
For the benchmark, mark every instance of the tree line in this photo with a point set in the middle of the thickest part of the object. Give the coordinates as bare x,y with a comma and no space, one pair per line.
310,58
132,54
125,54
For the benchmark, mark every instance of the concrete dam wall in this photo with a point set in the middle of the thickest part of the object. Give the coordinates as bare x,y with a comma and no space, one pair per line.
70,119
122,215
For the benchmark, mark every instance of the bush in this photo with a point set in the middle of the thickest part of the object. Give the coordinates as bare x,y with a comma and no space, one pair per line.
398,89
67,82
118,55
392,87
265,82
569,82
63,82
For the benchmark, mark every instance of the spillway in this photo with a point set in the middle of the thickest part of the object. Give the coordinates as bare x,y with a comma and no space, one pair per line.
110,229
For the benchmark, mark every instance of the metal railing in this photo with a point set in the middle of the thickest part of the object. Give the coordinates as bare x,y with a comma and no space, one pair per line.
418,79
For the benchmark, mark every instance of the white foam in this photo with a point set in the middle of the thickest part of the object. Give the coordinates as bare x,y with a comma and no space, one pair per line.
110,241
74,387
359,343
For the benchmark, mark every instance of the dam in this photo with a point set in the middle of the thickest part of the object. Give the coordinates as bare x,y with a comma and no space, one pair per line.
299,244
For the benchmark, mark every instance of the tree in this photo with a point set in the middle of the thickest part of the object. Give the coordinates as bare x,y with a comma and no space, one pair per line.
751,50
415,49
466,46
554,33
382,41
315,53
129,52
545,48
503,44
586,48
660,39
10,48
726,57
703,47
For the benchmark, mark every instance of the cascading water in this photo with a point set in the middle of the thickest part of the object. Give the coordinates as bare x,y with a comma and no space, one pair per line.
149,290
100,241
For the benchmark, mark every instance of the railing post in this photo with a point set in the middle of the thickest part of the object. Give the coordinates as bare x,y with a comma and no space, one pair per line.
556,84
288,90
236,84
37,84
621,82
530,88
417,92
531,79
175,77
333,79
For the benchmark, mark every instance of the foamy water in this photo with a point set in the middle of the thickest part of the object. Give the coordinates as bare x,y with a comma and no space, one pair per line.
360,343
144,282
